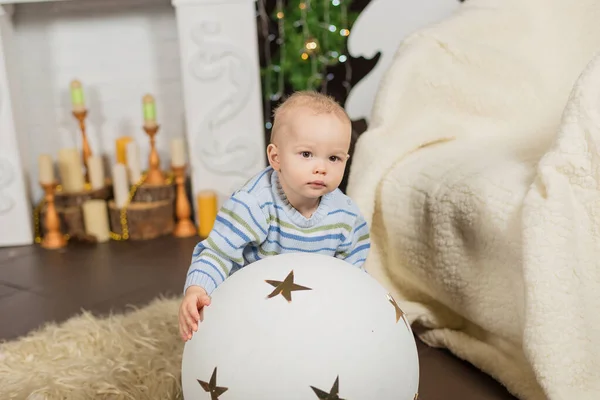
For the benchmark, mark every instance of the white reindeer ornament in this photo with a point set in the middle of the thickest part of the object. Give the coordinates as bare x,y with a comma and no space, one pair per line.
381,27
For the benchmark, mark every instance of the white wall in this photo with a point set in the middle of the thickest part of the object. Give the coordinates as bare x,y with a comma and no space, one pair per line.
120,50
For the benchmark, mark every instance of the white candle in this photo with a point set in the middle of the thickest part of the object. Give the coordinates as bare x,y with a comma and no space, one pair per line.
133,163
120,185
71,170
46,169
178,152
95,172
95,219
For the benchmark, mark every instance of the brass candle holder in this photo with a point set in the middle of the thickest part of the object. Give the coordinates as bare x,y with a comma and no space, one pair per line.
86,151
53,238
155,175
183,210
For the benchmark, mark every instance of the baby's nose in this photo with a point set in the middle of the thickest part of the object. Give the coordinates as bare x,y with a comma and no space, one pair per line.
320,169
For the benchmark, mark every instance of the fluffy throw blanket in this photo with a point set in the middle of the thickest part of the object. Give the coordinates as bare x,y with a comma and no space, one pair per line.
480,178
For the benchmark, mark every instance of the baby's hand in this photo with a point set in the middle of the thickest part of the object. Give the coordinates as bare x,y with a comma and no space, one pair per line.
191,310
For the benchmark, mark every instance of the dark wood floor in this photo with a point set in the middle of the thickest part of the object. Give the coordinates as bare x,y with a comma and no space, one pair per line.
38,285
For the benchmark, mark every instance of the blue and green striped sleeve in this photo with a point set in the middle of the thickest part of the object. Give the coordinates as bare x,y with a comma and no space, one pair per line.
239,223
356,248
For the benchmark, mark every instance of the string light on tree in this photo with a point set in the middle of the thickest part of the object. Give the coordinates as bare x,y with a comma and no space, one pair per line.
311,37
273,75
311,45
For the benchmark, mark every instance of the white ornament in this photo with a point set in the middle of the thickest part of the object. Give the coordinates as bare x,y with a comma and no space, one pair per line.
340,329
381,27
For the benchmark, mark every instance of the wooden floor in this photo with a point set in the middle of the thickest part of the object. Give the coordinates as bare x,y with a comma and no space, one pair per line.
37,286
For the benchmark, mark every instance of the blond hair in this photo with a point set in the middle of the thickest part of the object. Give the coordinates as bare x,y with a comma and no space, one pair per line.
316,102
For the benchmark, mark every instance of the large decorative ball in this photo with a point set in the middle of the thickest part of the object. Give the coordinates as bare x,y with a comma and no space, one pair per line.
300,326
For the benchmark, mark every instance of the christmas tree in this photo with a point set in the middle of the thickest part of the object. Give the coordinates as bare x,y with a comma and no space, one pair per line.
310,37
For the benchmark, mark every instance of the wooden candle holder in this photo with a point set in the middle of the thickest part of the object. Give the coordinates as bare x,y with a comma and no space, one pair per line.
86,150
53,238
150,193
143,220
155,175
183,210
76,199
149,214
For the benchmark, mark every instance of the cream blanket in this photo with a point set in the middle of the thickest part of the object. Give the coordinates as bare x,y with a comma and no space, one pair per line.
479,176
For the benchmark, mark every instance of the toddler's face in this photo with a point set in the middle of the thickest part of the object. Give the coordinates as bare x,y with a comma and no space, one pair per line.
312,153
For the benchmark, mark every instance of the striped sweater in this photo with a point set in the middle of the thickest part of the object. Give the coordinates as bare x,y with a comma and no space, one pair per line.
257,221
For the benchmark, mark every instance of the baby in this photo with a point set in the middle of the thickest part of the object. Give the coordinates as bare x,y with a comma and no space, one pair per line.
294,205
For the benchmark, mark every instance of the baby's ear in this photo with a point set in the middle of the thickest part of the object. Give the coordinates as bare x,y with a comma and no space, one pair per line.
273,156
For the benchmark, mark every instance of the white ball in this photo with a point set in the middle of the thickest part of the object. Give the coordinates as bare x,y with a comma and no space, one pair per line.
344,329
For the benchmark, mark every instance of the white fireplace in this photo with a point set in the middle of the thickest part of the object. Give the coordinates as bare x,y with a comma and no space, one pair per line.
199,58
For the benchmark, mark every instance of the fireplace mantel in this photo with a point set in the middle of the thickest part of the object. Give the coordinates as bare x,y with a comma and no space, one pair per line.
2,2
220,90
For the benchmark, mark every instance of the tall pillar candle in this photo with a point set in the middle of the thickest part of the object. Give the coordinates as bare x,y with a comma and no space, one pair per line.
46,169
133,163
120,185
71,170
178,158
95,219
95,172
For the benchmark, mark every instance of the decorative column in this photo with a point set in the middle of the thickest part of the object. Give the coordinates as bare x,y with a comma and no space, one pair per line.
222,93
15,209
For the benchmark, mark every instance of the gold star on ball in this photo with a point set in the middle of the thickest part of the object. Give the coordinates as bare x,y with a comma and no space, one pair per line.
333,393
399,312
211,387
286,287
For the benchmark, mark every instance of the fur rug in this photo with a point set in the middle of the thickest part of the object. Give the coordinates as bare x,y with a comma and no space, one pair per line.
135,355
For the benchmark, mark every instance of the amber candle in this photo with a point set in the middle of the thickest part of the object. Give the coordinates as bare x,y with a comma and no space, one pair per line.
121,149
207,211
